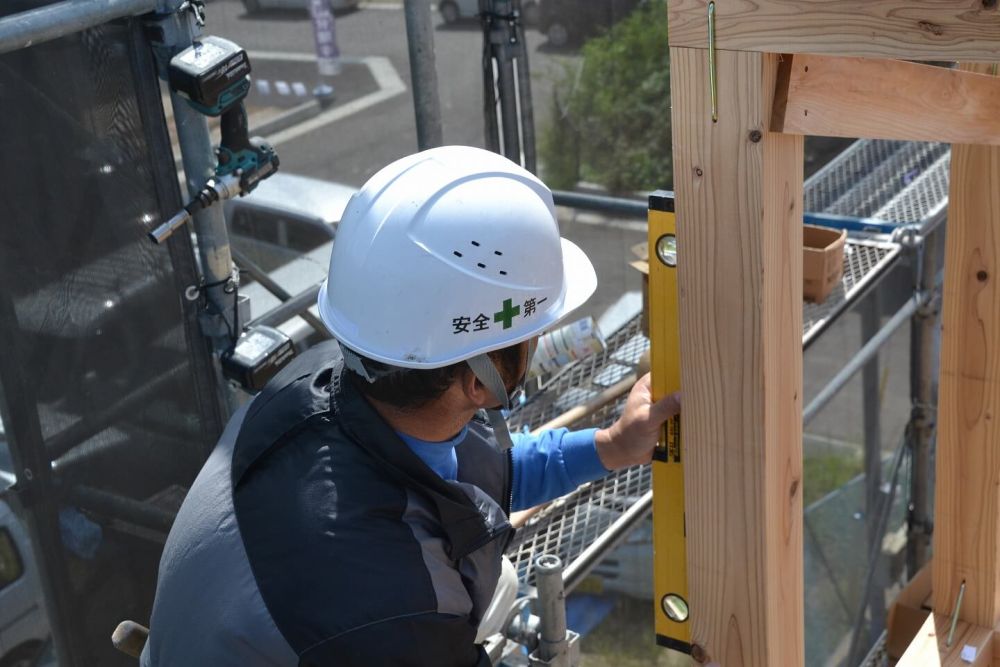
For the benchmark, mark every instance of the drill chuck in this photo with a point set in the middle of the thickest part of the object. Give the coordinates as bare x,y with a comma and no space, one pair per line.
216,189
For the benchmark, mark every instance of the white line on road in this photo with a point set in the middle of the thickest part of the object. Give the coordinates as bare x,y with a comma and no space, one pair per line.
385,75
393,6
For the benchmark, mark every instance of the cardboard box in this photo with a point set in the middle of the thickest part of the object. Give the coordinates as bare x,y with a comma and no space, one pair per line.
822,261
641,251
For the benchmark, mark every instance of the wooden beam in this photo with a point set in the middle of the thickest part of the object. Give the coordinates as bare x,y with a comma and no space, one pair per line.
967,492
885,99
930,649
739,221
907,29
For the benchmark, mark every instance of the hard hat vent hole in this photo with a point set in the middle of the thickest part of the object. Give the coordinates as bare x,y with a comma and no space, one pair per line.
498,253
503,273
481,265
475,243
457,253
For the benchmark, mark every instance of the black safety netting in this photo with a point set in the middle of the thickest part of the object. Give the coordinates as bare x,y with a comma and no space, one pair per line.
106,388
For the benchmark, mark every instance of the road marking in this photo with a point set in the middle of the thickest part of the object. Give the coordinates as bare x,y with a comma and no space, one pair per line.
385,75
386,78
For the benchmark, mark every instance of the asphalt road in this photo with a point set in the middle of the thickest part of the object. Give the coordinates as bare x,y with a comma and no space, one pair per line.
353,148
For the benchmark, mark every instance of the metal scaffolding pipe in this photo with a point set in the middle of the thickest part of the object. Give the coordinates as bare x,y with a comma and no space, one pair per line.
92,423
871,406
121,507
289,309
268,283
553,645
527,108
632,208
581,566
922,416
864,355
423,72
24,29
209,223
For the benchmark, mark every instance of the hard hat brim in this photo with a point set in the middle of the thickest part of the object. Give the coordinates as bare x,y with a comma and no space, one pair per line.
579,277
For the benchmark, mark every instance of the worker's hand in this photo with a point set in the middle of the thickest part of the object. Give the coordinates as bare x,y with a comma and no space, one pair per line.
631,439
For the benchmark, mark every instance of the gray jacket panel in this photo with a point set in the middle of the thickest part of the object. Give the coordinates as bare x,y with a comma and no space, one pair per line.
314,537
205,579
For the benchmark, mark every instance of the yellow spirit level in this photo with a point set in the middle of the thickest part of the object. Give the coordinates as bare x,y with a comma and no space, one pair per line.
673,629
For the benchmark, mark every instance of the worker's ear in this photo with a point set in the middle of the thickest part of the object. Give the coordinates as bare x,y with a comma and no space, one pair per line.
475,391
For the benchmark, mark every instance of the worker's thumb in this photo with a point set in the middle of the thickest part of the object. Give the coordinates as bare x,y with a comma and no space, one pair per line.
666,407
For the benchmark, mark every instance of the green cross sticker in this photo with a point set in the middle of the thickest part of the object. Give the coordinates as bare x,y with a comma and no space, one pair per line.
507,315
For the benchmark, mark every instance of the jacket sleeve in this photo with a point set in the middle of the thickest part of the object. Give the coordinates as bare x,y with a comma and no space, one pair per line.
551,464
442,640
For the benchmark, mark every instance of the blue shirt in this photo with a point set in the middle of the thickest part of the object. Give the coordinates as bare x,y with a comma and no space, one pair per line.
546,466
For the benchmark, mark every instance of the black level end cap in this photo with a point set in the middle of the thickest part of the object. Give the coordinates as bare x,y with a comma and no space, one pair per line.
661,200
670,642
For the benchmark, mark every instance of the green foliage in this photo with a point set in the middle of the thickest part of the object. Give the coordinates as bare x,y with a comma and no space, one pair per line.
611,117
828,472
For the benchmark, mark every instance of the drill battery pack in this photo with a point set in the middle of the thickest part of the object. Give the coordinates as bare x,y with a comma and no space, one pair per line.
212,74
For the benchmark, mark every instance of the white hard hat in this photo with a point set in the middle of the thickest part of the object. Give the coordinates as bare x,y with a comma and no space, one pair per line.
448,254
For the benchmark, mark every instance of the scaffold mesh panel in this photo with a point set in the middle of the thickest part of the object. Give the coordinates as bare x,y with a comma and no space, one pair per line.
924,195
863,180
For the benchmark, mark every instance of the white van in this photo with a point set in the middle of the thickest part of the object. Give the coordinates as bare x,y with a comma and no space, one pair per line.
24,627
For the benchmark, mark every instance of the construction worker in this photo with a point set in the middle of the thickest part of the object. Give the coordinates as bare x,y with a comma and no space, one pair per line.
355,513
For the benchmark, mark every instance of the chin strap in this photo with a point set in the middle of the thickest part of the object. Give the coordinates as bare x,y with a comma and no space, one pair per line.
484,369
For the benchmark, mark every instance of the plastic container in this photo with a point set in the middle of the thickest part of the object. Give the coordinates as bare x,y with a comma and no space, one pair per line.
560,347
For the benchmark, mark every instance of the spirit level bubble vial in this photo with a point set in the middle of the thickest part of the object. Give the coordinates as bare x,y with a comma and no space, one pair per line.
673,628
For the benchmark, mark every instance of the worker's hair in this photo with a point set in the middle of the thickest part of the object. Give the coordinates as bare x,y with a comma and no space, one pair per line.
415,388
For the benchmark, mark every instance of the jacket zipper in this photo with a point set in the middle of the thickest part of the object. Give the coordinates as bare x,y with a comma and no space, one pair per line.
510,480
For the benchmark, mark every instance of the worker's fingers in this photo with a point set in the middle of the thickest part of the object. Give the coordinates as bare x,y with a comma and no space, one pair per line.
644,383
666,407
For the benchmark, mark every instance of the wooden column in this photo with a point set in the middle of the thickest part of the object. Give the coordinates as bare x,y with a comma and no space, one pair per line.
739,219
967,495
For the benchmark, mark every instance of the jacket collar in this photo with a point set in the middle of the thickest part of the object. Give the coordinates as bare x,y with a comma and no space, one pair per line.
467,523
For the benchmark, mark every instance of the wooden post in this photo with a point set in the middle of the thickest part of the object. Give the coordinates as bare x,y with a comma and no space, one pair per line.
967,495
739,219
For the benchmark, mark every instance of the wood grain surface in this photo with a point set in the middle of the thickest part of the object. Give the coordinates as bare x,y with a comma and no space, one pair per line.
739,220
929,647
885,99
907,29
967,511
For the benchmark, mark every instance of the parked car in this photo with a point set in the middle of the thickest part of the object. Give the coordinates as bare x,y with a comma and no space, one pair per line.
284,217
567,22
286,227
24,626
455,10
253,6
